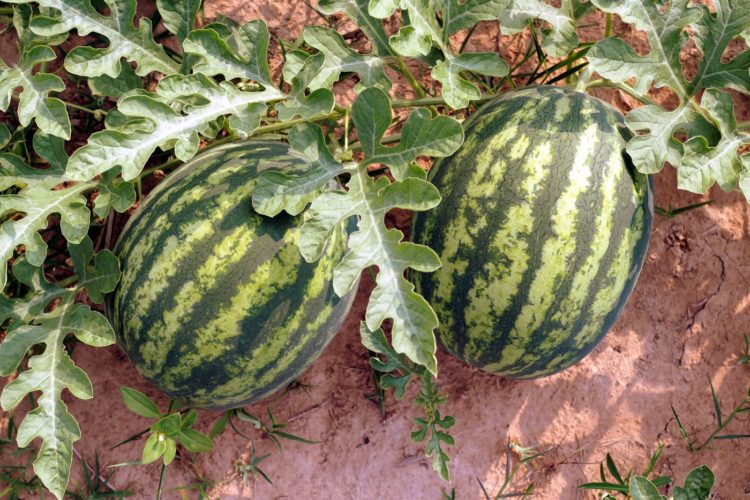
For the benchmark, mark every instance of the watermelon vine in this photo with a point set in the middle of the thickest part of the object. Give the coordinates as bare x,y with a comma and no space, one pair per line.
155,105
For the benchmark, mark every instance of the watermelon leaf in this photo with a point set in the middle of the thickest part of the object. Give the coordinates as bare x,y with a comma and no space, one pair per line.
357,11
615,59
704,163
99,277
713,33
424,32
179,15
49,372
105,85
340,58
560,39
709,154
166,127
373,244
38,203
320,101
246,60
34,102
125,40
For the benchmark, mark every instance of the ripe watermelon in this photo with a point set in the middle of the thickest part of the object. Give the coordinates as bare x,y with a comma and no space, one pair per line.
542,232
216,306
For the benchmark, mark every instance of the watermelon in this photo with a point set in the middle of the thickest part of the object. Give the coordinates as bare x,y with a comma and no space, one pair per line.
542,232
216,306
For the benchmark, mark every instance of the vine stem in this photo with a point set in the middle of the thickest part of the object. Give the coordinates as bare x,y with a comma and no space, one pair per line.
431,101
625,88
4,11
744,125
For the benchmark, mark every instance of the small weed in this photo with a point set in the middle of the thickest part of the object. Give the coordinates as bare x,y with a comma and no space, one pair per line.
525,455
627,483
670,212
95,485
245,469
721,421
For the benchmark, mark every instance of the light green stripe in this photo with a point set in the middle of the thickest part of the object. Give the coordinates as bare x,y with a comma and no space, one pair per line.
175,249
571,303
559,248
154,350
463,227
496,286
214,338
283,348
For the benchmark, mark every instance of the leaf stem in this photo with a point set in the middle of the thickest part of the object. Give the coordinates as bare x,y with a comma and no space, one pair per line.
97,112
406,73
608,25
744,125
4,11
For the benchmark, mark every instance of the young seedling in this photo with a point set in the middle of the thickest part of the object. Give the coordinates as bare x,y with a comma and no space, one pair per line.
169,429
628,484
525,455
245,469
95,485
721,421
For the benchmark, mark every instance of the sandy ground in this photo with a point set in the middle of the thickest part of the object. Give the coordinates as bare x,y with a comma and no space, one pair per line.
684,325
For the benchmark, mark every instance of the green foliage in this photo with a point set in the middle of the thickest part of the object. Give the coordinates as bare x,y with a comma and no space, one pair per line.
216,84
52,371
711,152
396,372
697,484
167,431
34,102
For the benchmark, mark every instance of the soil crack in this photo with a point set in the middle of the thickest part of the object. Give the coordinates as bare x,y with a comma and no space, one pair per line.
694,309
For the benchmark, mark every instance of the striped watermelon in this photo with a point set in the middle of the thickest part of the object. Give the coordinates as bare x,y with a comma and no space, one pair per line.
216,306
542,232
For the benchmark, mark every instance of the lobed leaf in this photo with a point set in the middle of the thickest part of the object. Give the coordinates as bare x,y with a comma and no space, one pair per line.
105,85
38,203
97,277
616,60
34,101
125,40
458,15
298,103
561,37
458,91
243,55
339,58
357,11
651,150
50,372
179,15
703,163
160,125
713,32
373,244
